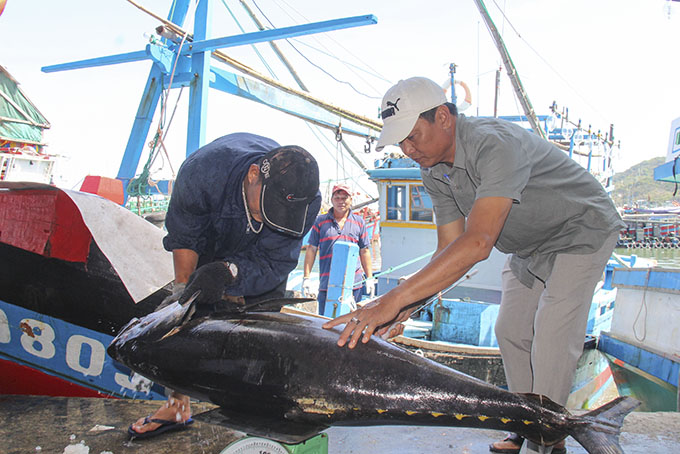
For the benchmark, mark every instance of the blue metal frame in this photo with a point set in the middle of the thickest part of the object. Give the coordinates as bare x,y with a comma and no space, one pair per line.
452,74
193,69
666,172
200,69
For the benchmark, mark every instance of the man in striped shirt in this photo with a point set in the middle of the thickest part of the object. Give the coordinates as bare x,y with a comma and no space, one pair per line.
339,224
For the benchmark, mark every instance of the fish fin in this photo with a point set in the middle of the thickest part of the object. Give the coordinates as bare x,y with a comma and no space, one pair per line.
615,411
598,430
271,427
172,332
274,304
189,308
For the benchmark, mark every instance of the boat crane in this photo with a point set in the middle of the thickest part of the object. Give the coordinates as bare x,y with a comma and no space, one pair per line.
182,59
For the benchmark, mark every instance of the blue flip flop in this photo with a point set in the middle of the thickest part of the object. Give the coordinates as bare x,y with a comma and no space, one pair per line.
165,426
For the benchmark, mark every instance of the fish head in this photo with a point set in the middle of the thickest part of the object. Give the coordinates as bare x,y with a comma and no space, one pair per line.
150,328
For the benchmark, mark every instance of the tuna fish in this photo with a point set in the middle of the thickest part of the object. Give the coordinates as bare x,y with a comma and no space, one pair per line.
283,377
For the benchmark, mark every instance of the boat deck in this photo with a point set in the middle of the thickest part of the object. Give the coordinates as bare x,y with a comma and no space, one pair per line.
54,423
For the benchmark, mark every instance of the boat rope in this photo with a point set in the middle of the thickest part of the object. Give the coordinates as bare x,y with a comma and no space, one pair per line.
397,267
373,72
349,65
139,185
339,155
325,142
311,62
544,60
302,86
332,76
328,145
252,46
643,305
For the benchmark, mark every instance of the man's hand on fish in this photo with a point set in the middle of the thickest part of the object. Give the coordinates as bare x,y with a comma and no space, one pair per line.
397,327
379,314
209,280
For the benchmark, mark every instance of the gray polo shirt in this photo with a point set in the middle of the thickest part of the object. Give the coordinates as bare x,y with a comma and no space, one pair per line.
558,206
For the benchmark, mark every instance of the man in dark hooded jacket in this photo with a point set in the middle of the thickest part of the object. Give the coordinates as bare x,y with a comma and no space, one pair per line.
239,209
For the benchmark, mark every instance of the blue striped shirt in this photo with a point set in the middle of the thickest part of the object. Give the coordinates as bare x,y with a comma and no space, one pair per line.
323,235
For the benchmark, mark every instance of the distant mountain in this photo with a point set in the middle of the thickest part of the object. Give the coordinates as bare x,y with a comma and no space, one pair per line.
637,185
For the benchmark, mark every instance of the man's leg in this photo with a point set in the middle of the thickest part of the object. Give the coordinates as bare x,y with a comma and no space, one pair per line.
515,329
357,293
321,298
560,324
561,320
514,332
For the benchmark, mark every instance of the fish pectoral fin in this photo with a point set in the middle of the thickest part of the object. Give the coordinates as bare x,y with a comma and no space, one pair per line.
266,426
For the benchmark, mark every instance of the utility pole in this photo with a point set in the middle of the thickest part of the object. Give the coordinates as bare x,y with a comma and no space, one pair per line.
512,71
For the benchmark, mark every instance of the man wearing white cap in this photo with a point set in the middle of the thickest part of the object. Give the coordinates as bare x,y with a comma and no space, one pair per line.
493,183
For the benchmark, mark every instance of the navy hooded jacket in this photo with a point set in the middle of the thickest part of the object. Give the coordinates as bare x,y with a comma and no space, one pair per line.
207,215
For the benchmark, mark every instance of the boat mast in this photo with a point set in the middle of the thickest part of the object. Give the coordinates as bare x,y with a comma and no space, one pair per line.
497,92
512,71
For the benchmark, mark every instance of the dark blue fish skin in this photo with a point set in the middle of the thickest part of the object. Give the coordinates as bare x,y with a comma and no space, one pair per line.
274,365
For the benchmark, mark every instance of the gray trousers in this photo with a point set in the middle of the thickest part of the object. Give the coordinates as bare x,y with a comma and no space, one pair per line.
540,330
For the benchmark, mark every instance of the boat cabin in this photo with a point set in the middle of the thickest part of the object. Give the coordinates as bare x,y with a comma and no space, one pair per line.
408,234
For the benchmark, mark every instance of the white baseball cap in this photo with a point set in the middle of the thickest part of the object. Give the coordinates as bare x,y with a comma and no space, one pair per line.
403,103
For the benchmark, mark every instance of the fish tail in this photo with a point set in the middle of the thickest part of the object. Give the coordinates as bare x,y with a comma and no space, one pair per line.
598,430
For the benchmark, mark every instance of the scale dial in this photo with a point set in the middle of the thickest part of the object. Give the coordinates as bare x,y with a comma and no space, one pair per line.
254,445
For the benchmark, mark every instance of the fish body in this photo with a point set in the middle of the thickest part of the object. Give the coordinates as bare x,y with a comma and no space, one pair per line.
284,377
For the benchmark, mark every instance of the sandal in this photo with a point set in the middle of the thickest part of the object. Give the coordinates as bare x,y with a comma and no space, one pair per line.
511,439
165,426
517,441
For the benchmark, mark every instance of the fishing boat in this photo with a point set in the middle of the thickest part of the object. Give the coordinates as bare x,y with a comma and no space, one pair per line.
68,283
642,344
77,266
23,155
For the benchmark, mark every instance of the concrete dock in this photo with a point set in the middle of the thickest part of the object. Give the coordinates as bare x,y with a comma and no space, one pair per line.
42,425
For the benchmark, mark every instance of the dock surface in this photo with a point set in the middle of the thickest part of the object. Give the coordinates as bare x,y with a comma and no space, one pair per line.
46,425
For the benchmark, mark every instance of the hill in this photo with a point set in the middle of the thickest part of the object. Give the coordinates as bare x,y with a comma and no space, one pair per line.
637,184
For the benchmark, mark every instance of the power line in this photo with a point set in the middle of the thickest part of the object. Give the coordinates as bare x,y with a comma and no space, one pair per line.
583,98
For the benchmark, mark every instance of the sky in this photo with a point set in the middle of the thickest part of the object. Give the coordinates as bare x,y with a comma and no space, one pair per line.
607,61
